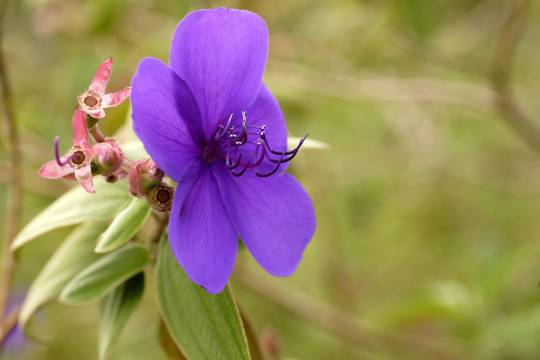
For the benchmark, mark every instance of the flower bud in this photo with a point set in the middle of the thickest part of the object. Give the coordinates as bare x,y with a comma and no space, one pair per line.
143,177
108,157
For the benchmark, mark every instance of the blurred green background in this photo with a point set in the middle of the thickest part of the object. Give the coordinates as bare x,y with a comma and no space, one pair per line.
428,204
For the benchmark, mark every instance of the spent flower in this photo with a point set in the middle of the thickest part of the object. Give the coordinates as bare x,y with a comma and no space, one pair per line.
94,100
83,160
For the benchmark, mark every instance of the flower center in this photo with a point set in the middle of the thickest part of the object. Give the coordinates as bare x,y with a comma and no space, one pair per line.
78,157
163,195
161,198
246,147
90,100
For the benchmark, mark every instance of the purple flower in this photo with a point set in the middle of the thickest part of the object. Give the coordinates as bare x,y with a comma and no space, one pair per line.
211,125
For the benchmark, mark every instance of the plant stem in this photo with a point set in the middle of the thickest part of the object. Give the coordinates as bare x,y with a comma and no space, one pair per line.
97,134
13,209
162,220
501,75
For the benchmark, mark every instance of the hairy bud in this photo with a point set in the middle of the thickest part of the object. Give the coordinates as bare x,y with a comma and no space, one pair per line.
143,177
108,157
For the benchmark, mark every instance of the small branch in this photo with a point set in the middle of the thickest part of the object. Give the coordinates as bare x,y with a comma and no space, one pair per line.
9,322
162,221
13,210
336,321
501,75
97,134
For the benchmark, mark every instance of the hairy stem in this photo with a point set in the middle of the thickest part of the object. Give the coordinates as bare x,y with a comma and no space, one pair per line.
14,195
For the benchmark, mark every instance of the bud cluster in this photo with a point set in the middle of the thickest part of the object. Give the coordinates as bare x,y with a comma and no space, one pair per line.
145,179
92,153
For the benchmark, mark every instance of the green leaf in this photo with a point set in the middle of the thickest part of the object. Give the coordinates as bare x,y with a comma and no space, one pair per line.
74,207
204,326
69,259
103,275
116,309
124,226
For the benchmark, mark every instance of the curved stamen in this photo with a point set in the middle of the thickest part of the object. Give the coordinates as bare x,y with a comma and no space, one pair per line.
271,172
222,130
229,138
251,164
57,153
285,156
283,159
241,172
263,154
228,160
295,150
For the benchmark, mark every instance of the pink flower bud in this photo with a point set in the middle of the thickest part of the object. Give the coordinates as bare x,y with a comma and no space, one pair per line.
108,157
143,176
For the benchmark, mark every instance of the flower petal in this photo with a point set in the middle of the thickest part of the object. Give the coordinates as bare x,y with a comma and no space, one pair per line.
79,129
96,113
266,111
165,117
51,170
100,80
134,179
274,217
115,98
201,234
221,54
84,177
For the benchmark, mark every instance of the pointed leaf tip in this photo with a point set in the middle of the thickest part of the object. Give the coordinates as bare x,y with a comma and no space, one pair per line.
75,207
124,226
105,274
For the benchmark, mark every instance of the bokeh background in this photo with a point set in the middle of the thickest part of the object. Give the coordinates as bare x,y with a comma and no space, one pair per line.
428,202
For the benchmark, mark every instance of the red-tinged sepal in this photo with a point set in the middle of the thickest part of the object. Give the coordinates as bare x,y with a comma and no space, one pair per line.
52,170
79,129
100,80
84,177
115,98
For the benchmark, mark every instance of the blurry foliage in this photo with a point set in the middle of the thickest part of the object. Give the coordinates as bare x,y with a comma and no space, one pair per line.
427,204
